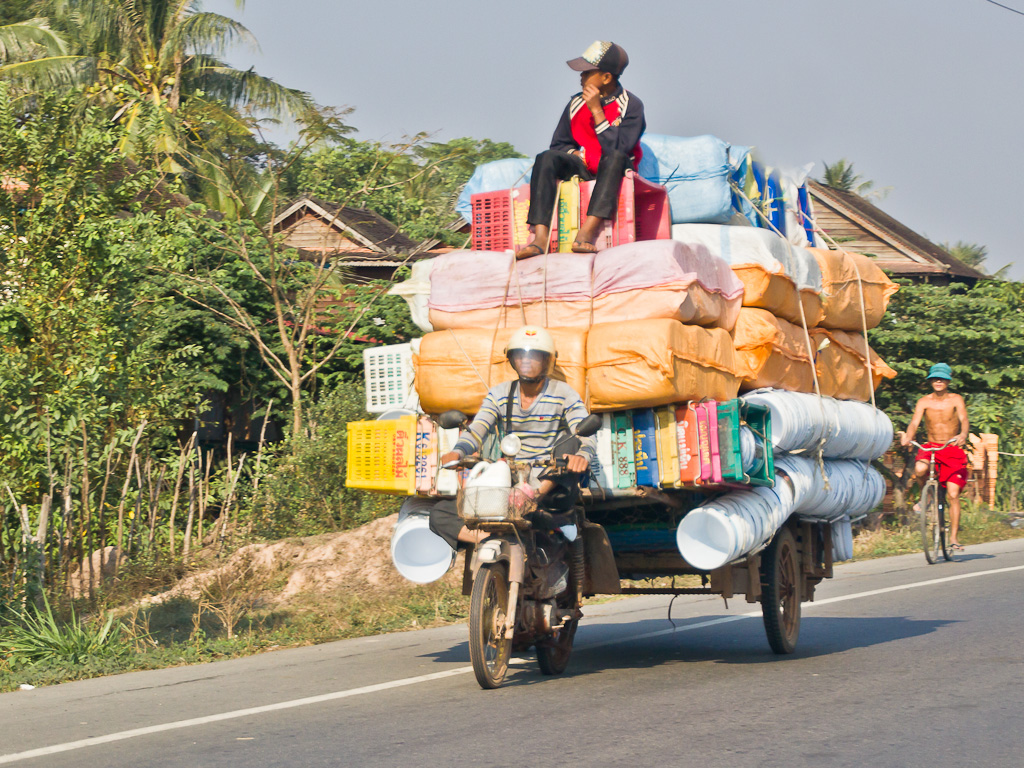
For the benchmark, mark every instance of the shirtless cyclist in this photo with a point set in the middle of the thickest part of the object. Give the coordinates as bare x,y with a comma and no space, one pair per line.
945,419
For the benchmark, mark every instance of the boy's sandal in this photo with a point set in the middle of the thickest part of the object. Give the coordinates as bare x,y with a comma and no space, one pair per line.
578,247
529,251
957,547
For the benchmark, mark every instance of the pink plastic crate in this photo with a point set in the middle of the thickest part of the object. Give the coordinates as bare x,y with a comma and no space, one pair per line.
643,212
499,218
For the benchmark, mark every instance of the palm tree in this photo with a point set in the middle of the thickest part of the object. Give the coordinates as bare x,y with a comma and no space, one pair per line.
840,175
35,56
155,63
973,255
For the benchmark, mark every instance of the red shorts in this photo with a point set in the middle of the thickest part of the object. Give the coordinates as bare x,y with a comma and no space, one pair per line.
950,463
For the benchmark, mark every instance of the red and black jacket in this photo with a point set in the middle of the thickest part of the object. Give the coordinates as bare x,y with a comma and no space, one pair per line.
621,129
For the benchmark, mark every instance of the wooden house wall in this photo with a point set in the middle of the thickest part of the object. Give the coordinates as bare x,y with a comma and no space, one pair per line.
312,233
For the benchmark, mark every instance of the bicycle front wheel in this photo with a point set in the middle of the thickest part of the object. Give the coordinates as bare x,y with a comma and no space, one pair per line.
947,544
931,528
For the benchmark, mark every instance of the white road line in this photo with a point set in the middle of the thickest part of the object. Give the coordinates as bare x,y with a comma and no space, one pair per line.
235,714
122,735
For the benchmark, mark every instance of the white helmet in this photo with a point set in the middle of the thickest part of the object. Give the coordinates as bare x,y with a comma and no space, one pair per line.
531,342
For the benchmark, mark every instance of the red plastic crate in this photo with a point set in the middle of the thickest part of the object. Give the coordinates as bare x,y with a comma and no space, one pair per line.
499,220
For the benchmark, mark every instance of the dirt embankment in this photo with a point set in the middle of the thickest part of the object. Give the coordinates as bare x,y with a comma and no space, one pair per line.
356,561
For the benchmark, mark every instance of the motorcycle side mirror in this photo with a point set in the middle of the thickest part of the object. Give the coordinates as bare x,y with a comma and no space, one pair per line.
589,426
452,419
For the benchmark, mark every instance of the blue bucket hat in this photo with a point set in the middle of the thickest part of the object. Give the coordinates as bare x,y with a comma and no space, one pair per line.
940,371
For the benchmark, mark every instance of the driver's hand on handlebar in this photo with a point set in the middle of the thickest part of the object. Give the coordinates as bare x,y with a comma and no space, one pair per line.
451,456
576,463
904,439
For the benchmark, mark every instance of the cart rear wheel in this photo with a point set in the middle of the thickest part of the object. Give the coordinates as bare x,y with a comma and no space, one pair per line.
780,592
489,650
554,652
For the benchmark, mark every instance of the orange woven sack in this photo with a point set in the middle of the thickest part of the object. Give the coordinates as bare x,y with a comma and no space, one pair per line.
771,352
841,295
455,368
777,293
842,372
645,363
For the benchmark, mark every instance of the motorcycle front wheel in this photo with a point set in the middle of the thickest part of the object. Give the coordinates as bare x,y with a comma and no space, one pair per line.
489,650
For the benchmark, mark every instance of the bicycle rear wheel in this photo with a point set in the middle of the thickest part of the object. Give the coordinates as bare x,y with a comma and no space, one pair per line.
931,529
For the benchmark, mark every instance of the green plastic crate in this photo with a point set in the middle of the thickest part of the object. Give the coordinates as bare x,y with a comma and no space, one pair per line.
623,451
732,415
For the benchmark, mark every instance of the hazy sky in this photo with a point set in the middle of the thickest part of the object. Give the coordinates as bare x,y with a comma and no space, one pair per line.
923,96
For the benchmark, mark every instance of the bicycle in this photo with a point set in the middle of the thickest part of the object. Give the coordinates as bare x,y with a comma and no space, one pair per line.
932,511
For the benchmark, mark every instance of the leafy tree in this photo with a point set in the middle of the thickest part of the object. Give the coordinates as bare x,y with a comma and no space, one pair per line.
978,330
74,316
413,184
13,11
295,337
155,64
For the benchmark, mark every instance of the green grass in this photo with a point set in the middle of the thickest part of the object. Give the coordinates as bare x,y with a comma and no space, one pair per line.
978,524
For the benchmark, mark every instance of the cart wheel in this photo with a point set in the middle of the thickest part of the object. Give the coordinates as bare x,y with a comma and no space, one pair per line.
488,649
553,653
780,592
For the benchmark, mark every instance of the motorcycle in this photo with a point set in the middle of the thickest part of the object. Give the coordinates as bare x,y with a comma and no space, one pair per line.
528,572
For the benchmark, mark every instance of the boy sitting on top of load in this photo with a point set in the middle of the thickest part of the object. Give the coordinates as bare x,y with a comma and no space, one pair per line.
598,137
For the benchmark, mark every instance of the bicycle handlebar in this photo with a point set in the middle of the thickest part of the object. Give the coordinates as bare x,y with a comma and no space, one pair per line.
933,450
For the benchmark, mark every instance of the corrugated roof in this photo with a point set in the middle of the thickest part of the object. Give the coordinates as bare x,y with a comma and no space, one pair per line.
863,212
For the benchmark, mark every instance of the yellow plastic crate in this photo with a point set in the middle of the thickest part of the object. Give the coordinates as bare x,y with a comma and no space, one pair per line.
382,455
568,213
668,446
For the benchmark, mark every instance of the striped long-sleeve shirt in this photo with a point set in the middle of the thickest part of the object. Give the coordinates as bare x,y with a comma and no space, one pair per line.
538,427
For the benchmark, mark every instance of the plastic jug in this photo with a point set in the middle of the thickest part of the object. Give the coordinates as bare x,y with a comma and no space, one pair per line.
484,478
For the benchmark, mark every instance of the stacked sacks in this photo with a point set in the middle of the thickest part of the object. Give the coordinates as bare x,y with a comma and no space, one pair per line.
776,275
648,322
845,279
455,368
842,365
834,295
646,363
771,352
695,171
651,278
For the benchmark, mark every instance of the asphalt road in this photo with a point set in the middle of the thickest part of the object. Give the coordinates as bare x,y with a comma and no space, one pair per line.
899,664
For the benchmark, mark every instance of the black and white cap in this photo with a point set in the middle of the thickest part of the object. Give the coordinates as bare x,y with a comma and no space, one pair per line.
602,55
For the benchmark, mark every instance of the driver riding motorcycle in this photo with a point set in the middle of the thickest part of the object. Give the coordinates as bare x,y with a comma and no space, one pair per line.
537,408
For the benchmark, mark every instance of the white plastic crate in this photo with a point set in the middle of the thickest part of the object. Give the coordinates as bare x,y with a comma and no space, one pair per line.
389,376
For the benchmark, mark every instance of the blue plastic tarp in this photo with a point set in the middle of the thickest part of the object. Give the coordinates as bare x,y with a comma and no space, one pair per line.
695,170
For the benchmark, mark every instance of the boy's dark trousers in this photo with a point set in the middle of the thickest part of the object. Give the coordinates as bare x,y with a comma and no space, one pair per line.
554,165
